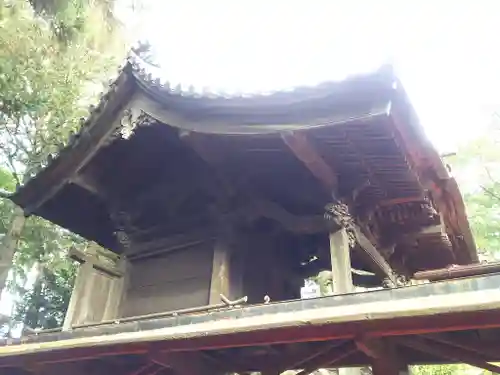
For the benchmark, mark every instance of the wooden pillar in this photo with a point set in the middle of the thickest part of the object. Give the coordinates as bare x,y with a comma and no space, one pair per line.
226,269
341,274
341,262
116,292
384,356
79,289
389,365
97,292
221,264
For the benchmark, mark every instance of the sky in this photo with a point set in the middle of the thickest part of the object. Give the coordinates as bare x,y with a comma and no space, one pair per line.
445,52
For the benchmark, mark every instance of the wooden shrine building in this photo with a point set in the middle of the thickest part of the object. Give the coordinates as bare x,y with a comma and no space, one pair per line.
207,196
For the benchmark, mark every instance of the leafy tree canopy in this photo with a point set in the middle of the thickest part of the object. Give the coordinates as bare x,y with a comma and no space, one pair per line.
46,85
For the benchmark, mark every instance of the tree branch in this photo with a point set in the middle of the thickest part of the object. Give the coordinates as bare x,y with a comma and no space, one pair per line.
4,194
490,193
489,175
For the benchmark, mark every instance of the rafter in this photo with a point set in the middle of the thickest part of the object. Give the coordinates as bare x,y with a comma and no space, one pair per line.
305,152
302,148
210,155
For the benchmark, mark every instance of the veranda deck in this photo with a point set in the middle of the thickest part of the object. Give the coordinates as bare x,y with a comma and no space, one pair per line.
295,334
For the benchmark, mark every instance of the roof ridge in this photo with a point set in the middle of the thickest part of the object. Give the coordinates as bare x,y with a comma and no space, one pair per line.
141,70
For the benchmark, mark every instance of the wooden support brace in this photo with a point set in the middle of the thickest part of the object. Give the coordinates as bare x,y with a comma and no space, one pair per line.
182,363
484,352
372,347
379,264
329,358
448,352
318,356
305,152
385,360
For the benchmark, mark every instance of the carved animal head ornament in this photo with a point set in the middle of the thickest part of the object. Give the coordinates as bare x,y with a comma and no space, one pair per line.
339,213
132,119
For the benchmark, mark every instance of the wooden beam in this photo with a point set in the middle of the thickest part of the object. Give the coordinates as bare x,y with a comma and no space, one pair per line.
448,352
372,347
82,257
210,155
305,152
171,243
326,350
379,264
258,208
89,183
385,359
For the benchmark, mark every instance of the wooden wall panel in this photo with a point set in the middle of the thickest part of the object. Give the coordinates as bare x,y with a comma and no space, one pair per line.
170,281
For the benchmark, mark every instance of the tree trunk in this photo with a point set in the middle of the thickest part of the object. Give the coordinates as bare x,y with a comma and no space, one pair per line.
9,245
33,318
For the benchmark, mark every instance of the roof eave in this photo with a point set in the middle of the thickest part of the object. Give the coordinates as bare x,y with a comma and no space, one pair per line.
94,132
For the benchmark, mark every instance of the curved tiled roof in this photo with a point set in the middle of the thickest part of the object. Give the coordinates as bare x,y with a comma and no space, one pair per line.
187,99
310,106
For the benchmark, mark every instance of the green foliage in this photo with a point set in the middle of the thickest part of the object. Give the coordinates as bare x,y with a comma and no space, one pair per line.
41,85
477,168
46,85
6,180
440,370
7,183
44,304
74,20
50,62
